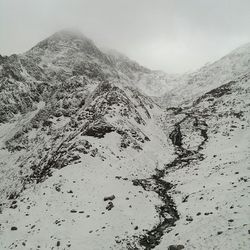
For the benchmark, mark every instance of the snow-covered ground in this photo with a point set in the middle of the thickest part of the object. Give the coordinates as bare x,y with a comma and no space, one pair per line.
213,197
68,209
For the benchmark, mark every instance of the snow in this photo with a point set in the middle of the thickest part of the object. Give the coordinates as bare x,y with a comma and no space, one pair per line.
88,193
90,181
192,85
217,185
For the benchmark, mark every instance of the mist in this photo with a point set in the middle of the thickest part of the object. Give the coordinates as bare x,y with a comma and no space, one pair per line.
170,35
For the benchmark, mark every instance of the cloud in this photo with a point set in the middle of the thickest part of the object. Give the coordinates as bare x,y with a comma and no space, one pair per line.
172,35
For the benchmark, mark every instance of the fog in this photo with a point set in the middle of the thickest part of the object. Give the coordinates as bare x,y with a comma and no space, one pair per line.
172,35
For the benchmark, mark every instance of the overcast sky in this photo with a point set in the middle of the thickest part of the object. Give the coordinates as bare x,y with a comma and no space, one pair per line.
172,35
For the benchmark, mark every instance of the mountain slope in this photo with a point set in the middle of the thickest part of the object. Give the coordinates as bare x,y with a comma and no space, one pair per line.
63,170
228,68
150,82
212,177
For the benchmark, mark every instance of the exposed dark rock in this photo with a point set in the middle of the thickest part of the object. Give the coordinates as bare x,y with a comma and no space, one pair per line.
110,205
176,247
99,130
189,218
111,197
176,136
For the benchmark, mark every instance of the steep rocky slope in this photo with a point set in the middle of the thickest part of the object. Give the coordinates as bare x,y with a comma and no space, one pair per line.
88,161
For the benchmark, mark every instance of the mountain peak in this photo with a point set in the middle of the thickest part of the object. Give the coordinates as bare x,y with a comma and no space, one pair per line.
69,34
65,39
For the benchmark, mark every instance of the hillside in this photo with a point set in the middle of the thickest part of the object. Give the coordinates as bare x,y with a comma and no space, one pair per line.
192,85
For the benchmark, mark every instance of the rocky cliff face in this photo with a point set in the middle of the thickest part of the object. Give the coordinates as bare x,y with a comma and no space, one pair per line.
87,160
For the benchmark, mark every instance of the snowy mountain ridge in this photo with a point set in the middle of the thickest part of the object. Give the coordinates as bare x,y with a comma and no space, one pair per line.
64,57
190,86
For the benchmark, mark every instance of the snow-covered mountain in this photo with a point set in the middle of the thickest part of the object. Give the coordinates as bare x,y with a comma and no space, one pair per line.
151,82
67,59
89,161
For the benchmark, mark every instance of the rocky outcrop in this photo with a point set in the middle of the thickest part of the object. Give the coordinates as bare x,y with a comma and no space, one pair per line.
176,136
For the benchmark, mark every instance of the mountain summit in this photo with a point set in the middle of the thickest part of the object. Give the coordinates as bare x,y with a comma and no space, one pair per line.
60,40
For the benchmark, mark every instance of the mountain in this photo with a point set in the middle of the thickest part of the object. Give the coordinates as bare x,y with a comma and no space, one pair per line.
65,58
88,160
228,68
150,82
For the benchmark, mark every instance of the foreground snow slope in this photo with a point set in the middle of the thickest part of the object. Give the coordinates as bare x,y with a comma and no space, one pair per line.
213,197
69,207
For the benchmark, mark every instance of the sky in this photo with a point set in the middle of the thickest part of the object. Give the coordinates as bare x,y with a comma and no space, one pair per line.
175,36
